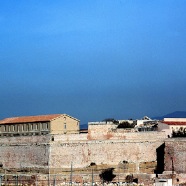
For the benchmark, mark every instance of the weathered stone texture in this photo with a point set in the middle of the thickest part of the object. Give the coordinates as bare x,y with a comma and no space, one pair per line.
108,152
24,139
175,155
41,152
104,132
70,137
24,152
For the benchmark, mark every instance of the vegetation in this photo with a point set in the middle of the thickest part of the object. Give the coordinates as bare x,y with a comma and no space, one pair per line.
107,175
180,133
126,124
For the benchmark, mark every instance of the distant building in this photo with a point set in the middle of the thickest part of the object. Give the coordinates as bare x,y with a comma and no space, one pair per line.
145,124
144,120
169,125
39,125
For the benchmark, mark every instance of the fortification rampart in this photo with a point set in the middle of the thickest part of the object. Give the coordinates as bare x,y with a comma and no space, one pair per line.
118,134
18,153
132,155
24,139
131,152
175,155
103,131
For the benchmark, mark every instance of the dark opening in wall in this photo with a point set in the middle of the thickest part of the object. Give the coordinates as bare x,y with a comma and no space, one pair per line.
92,164
160,153
1,165
52,138
124,161
107,175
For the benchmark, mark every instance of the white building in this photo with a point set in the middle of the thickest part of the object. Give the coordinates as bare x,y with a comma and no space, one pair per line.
169,125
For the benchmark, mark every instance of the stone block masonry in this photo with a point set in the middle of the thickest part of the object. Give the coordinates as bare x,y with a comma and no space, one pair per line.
132,155
175,155
57,152
126,153
24,153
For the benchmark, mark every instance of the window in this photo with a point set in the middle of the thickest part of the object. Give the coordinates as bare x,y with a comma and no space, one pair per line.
13,127
65,126
5,128
20,128
36,126
44,126
31,127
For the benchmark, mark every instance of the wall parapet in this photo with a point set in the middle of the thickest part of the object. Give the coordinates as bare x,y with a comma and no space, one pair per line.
101,123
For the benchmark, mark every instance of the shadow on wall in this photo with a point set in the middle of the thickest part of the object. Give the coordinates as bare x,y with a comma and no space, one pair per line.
160,153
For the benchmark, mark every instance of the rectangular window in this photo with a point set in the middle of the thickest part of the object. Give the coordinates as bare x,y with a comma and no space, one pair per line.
13,128
65,126
5,128
31,127
36,126
22,127
43,126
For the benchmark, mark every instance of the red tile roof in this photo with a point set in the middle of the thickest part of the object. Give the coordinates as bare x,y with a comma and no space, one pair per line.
30,119
174,123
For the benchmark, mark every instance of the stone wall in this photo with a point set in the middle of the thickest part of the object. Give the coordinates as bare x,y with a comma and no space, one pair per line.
24,139
124,135
24,153
109,130
129,155
128,152
70,137
119,134
175,155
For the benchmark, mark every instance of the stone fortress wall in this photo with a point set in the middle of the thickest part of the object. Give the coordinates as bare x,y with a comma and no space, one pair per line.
139,156
128,153
175,155
133,152
30,152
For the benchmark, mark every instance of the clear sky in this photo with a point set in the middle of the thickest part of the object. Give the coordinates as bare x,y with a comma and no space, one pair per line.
92,59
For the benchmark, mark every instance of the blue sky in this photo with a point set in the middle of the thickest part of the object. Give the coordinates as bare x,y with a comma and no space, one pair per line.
92,59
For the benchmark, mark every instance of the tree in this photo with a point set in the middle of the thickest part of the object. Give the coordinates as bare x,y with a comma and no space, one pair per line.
180,133
107,175
126,124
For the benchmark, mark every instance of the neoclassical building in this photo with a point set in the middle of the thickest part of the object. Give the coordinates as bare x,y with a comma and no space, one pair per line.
39,125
